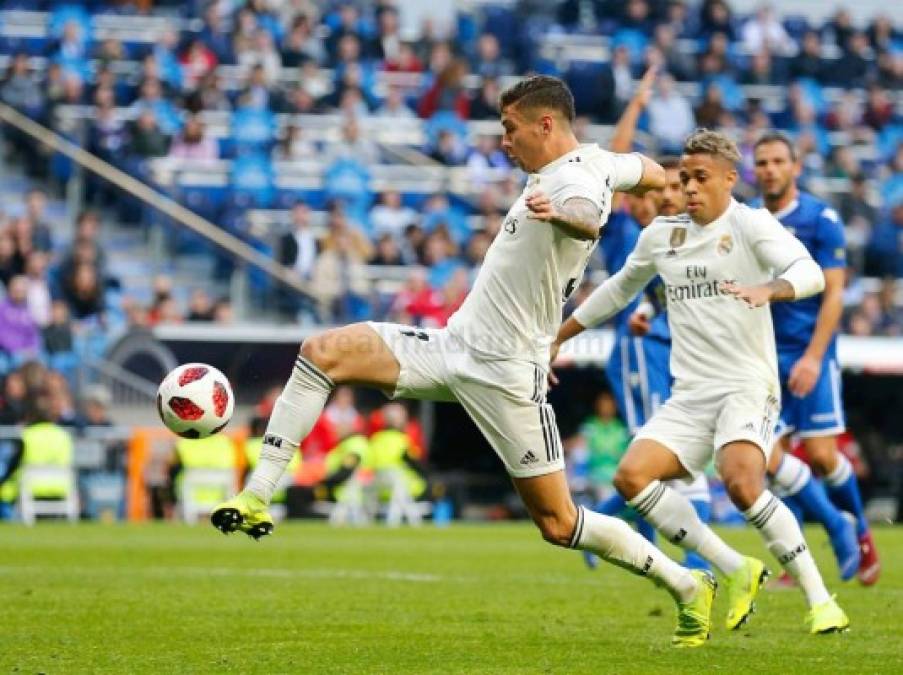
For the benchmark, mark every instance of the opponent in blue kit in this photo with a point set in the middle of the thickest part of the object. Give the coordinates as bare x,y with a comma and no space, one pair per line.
806,339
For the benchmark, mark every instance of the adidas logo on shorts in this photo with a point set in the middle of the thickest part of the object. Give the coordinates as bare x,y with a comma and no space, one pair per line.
529,458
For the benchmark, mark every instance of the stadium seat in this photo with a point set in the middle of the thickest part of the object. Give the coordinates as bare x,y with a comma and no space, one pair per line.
30,507
202,480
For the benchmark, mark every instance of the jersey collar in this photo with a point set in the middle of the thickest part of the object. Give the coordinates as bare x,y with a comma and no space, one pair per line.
580,153
787,210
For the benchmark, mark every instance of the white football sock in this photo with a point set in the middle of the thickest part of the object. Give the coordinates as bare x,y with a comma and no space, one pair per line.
615,541
791,476
841,473
674,516
296,410
785,540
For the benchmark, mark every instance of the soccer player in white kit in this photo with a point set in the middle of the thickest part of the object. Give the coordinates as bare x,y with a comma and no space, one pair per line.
722,263
493,357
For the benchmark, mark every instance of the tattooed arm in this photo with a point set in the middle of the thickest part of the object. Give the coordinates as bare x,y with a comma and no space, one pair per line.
577,217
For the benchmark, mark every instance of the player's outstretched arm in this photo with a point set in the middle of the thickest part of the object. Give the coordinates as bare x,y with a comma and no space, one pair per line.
802,279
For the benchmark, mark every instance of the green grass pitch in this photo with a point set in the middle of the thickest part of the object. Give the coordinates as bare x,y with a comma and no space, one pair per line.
488,599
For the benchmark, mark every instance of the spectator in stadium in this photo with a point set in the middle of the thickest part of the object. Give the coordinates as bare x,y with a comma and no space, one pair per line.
198,60
761,70
11,263
70,46
193,143
21,89
83,291
57,336
386,45
764,32
394,106
485,105
300,44
840,28
20,336
879,109
406,61
262,53
223,314
349,24
85,246
486,160
293,146
35,213
390,216
858,216
636,15
340,278
152,100
200,306
715,60
258,93
387,252
884,255
342,411
477,246
715,17
38,289
107,134
210,95
808,63
449,150
489,61
852,69
710,111
882,34
353,146
447,93
14,398
60,398
146,139
622,76
298,247
677,61
671,117
214,33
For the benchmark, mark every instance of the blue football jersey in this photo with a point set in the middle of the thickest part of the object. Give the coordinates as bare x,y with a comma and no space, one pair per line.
619,238
818,226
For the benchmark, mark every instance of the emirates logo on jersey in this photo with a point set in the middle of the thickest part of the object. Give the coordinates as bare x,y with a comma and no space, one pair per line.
725,244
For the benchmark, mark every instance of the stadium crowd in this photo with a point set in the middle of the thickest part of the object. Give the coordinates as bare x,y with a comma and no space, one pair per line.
301,57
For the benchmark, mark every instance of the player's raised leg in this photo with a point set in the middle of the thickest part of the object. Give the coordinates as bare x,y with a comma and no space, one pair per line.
742,466
562,523
792,480
639,478
352,354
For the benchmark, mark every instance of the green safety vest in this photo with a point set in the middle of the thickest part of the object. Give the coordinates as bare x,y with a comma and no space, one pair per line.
43,444
387,450
337,457
213,452
253,448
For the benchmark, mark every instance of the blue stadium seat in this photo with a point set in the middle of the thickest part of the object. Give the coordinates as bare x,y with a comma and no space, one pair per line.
63,14
635,40
349,181
253,130
252,179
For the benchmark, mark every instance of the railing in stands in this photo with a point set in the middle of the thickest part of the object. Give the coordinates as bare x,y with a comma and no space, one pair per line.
179,214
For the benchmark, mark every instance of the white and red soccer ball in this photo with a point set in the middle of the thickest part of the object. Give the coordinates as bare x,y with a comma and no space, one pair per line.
195,400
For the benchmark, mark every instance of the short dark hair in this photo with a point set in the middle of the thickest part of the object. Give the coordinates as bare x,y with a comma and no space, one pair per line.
669,162
776,137
541,91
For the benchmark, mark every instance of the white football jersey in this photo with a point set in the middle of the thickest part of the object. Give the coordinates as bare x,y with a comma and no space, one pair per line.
514,308
716,338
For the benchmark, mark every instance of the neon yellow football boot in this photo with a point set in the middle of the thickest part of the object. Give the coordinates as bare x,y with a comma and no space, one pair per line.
694,618
827,617
243,512
742,588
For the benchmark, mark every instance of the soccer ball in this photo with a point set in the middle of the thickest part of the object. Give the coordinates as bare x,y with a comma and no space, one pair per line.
195,400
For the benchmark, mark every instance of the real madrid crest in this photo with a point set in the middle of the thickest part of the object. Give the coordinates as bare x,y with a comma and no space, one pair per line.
725,244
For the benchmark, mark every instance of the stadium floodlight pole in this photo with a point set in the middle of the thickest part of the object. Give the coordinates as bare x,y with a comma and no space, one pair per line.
155,198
